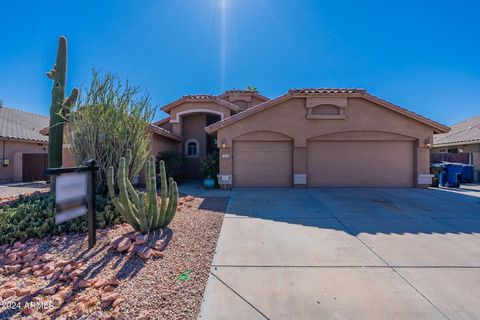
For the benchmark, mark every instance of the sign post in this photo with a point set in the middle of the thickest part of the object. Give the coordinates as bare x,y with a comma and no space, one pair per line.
75,195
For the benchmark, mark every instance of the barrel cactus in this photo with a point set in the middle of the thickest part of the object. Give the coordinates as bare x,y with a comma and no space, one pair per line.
60,106
141,209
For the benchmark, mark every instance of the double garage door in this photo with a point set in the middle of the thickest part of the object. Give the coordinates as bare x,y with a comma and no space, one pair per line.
329,164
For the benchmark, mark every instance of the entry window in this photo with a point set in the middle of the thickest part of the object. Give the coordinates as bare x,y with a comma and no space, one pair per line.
192,149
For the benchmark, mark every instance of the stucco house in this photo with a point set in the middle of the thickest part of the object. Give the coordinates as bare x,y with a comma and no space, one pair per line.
305,138
462,143
23,150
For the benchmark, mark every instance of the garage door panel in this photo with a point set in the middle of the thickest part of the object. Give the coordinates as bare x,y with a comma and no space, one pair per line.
360,163
262,164
262,156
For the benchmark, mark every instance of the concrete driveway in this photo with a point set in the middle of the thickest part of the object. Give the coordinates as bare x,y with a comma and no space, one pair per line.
347,254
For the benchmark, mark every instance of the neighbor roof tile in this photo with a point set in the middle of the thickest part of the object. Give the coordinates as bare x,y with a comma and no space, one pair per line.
17,124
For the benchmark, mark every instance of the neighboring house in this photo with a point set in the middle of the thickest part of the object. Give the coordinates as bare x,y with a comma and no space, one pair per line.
306,137
23,150
462,143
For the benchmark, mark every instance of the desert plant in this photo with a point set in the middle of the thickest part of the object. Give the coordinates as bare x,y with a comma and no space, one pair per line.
110,118
59,106
141,209
173,164
34,216
209,166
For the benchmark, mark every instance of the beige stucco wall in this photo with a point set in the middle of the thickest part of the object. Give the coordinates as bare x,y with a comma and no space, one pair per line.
194,128
13,172
289,118
193,108
159,144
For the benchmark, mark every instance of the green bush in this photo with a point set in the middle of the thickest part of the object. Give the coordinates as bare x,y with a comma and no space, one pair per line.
209,167
34,217
173,164
111,117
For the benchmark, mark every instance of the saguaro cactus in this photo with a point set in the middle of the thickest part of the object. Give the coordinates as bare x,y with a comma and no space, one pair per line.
140,209
59,106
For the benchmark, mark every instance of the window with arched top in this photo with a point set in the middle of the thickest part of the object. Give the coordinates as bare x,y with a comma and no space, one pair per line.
192,149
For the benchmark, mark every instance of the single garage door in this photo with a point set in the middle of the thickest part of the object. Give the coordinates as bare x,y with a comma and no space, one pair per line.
262,164
34,166
360,164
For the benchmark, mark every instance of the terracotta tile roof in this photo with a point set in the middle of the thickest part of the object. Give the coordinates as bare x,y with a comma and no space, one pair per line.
163,132
243,91
349,92
315,91
159,122
464,132
200,98
17,124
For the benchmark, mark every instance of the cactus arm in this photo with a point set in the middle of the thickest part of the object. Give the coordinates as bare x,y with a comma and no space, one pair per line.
172,203
144,221
150,178
164,186
111,182
124,200
70,102
147,175
132,192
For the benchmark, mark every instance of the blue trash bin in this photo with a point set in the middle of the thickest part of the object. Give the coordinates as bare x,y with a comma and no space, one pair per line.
442,179
454,174
467,173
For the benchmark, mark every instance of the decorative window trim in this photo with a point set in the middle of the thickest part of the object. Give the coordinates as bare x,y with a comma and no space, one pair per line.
185,112
339,116
197,155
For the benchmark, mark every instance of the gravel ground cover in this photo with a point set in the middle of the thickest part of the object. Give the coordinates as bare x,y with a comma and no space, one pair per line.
12,191
60,278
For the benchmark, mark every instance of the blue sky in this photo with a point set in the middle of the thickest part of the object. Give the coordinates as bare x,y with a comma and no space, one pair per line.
422,55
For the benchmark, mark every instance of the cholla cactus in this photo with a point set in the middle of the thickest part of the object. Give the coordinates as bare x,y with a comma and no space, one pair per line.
141,209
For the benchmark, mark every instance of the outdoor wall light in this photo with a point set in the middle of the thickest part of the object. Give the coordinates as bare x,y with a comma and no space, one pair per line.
427,143
224,143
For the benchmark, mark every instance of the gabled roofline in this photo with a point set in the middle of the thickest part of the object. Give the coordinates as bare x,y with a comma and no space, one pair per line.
434,124
456,143
326,92
255,94
151,127
201,98
162,121
163,132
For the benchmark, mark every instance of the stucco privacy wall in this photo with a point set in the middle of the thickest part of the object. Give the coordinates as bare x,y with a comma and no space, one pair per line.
363,120
12,150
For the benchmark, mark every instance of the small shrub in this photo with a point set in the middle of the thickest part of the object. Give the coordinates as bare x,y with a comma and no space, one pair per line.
209,166
173,164
34,217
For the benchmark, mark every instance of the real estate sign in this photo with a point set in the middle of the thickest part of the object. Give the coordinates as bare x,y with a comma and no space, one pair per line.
70,196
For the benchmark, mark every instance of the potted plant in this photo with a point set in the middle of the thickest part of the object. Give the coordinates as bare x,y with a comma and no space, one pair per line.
209,169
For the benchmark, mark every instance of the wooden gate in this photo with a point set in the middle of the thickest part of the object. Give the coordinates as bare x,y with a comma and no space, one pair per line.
34,166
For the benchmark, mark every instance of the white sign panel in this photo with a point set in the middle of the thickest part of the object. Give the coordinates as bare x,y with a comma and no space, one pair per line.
70,196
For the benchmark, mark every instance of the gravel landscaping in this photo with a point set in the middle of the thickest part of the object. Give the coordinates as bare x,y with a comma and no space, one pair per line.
60,278
9,192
